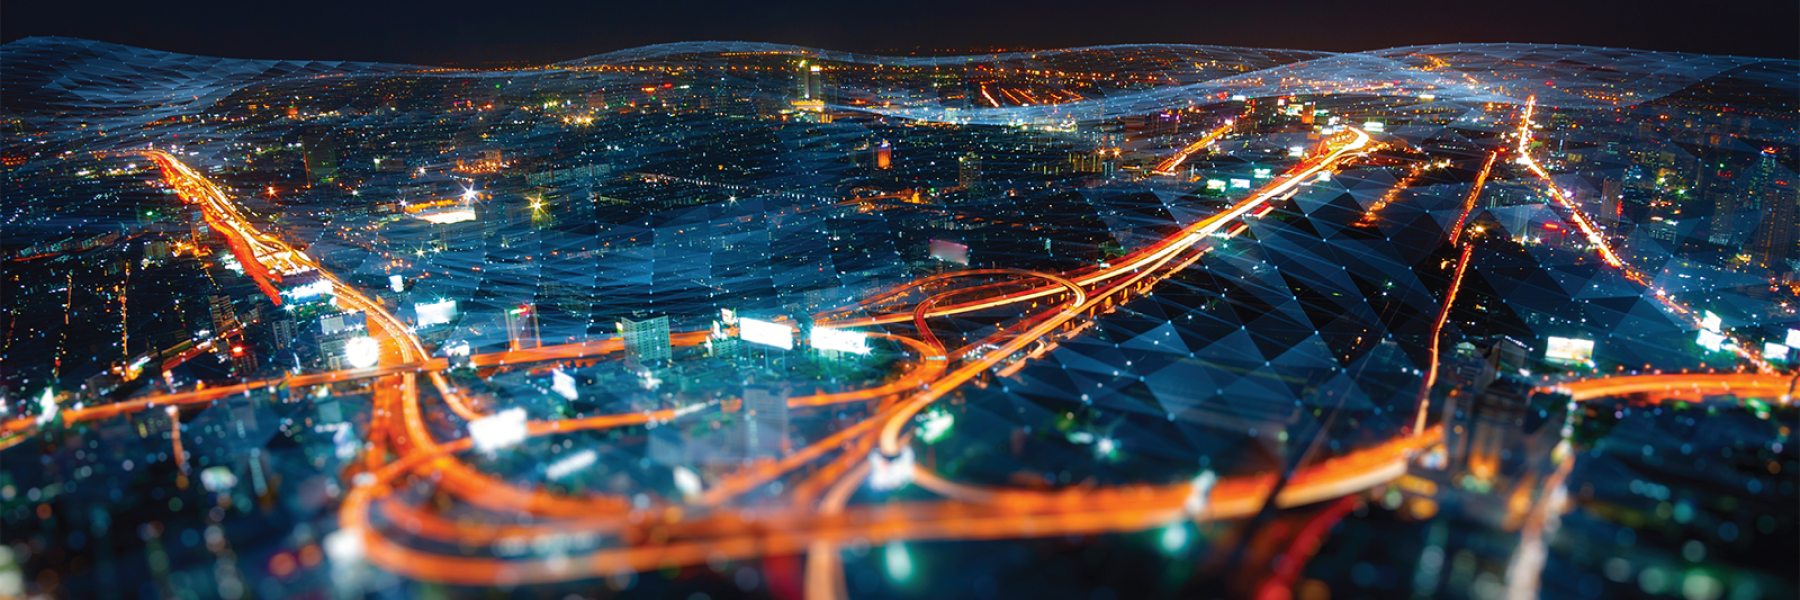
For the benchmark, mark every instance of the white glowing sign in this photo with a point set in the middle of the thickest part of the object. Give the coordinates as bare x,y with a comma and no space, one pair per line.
950,252
571,465
1710,340
449,216
840,340
1774,351
1711,322
1374,126
500,430
1242,184
757,331
1793,338
564,385
435,313
310,290
1569,349
397,283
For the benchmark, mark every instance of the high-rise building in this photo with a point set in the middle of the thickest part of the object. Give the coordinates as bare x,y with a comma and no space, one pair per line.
522,327
646,341
284,332
333,346
243,360
321,158
1612,195
765,421
199,231
884,155
968,171
1482,426
223,317
809,82
1773,242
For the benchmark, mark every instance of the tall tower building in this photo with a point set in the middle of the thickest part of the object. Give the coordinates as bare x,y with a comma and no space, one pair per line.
522,327
321,158
809,82
884,155
968,171
284,330
1773,243
243,360
1612,195
223,317
765,420
646,341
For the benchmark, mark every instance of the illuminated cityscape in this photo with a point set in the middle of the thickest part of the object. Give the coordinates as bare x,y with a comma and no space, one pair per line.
721,320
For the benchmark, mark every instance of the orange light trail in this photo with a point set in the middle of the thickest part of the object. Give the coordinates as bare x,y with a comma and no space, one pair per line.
1599,243
1168,165
1137,267
1581,221
666,536
1437,335
1474,193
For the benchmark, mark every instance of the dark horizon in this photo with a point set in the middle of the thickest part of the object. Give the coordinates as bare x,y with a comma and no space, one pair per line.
478,34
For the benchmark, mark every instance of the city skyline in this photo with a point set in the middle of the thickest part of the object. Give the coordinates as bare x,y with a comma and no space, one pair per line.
416,33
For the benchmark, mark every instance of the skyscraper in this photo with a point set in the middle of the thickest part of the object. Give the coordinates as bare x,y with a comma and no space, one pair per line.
765,420
1612,194
223,317
321,158
646,341
1773,243
522,327
808,82
968,171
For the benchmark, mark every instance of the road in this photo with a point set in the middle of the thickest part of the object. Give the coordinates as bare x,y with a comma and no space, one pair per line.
815,516
1168,165
403,445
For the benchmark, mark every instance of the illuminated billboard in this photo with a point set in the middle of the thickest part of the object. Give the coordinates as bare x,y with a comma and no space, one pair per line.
757,331
1710,340
449,216
950,252
498,431
837,339
1569,349
1776,352
435,313
310,290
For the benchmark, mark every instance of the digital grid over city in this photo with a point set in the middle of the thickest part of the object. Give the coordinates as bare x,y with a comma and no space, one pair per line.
714,320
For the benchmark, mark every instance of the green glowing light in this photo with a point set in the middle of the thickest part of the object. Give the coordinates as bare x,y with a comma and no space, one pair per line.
899,562
1174,538
936,425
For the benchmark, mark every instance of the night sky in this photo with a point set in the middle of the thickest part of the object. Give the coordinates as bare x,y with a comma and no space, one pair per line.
501,31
